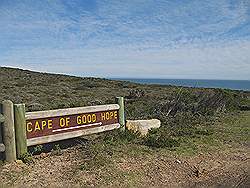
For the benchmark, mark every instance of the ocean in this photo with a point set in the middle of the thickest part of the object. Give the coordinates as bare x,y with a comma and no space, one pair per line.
225,84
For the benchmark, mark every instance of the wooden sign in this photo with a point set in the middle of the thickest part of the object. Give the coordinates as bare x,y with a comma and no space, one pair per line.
53,125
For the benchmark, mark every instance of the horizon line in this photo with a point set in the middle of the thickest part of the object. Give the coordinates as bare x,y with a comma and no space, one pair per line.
115,77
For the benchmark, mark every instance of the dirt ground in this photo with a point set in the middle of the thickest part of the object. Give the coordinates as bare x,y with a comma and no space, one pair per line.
218,169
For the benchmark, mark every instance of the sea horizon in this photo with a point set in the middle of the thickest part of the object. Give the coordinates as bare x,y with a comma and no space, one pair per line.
197,83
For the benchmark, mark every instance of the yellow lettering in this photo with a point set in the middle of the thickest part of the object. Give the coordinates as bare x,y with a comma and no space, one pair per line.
107,115
115,114
89,118
78,119
37,126
50,124
29,127
43,124
103,116
67,121
84,119
62,122
93,118
111,115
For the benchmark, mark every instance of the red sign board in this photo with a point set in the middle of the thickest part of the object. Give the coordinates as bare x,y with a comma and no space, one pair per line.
68,123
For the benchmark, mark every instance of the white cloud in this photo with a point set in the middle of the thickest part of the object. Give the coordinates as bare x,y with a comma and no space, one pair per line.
198,39
228,61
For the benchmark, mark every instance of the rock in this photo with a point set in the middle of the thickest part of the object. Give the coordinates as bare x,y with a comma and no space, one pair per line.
178,161
142,126
43,155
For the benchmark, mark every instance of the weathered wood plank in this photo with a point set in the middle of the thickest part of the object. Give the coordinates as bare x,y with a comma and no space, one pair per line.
67,135
70,111
9,131
20,130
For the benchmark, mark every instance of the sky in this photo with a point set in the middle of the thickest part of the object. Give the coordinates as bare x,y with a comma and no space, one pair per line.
195,39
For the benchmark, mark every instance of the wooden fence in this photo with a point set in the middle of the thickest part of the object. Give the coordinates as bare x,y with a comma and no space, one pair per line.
21,129
8,130
2,146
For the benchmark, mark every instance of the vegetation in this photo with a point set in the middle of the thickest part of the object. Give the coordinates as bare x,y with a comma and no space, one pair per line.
193,120
184,112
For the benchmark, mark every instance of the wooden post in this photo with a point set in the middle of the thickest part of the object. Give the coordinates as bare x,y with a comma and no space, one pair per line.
2,147
20,130
1,118
120,101
9,131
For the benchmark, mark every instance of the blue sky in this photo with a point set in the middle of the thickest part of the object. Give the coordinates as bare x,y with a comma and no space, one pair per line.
206,39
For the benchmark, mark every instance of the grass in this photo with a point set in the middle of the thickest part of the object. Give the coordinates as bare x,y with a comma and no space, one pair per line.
132,149
190,116
235,130
235,134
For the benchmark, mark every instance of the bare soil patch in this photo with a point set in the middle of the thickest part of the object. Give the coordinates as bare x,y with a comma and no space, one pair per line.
219,169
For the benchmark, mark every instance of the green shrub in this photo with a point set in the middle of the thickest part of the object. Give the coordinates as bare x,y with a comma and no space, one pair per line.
56,150
27,158
37,149
121,137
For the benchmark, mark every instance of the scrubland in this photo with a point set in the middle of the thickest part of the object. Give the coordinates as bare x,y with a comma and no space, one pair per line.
203,140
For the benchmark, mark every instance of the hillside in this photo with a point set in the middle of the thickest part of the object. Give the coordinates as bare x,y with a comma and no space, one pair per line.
205,125
40,91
